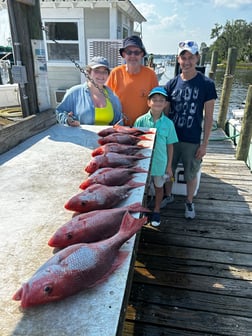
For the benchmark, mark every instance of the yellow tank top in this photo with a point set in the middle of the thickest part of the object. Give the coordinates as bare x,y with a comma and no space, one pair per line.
104,115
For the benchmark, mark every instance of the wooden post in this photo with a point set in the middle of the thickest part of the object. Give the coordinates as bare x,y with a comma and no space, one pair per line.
246,130
226,88
177,67
203,57
25,20
214,62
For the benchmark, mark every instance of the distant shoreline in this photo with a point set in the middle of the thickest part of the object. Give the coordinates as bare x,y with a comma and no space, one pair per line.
241,65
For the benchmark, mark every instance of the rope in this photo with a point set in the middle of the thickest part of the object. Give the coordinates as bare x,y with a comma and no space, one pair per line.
11,112
215,128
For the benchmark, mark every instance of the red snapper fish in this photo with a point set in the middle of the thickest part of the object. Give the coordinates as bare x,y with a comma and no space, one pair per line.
111,176
92,226
99,196
123,129
126,139
117,148
112,160
78,267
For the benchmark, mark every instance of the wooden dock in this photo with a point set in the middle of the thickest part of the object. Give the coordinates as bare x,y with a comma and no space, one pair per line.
194,277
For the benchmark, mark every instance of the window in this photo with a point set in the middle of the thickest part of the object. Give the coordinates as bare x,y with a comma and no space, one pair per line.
62,41
125,32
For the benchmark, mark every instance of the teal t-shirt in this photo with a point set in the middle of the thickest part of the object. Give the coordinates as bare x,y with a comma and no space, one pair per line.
165,135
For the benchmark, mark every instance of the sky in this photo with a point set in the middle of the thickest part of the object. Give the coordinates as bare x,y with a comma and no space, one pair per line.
172,21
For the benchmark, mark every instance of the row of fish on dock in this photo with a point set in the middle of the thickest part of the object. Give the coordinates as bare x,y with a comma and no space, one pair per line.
88,246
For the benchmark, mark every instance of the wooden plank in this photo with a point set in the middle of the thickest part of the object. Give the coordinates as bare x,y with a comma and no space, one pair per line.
237,231
197,241
191,266
137,328
226,257
190,320
13,134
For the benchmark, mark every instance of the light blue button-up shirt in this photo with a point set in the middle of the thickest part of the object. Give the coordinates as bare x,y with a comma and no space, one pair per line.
165,135
78,100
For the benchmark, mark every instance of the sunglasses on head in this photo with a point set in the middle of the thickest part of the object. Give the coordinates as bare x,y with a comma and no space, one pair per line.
133,52
186,44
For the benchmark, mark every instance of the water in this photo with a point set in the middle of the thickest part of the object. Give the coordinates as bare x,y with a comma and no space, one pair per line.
242,80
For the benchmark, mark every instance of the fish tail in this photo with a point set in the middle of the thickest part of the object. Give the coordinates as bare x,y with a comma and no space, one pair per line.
134,184
141,156
130,225
137,207
137,169
144,137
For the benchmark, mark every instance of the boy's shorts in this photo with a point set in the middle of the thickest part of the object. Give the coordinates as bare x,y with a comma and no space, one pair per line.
158,181
185,152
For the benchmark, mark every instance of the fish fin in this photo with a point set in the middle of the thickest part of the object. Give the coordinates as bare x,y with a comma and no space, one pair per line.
119,260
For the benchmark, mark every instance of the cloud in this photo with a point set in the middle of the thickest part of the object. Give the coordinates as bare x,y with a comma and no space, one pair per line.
232,4
157,21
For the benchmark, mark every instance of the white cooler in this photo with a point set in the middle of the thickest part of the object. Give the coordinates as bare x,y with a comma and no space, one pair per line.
179,185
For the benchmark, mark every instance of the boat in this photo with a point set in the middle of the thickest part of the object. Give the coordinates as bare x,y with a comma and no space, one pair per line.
159,70
233,129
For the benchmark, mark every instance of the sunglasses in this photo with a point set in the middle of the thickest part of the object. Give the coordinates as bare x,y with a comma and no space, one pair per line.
186,44
133,52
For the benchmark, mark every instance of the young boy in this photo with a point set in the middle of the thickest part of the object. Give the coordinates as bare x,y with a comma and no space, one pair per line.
163,148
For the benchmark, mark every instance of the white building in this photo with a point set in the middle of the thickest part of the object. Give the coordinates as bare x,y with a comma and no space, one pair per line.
83,29
76,30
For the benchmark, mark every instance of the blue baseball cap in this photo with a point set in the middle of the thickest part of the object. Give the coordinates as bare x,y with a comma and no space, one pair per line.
99,61
158,90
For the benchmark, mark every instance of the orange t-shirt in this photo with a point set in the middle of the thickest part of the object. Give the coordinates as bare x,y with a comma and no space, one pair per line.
132,90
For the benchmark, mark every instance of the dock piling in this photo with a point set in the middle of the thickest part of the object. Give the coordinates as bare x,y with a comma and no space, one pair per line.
226,88
246,129
214,62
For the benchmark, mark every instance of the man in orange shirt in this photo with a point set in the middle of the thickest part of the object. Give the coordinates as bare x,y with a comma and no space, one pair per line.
132,81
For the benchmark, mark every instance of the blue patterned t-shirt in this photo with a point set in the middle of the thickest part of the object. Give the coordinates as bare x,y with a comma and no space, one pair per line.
187,99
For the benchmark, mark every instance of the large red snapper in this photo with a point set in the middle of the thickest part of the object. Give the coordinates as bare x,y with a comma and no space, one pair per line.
123,129
92,226
98,196
77,267
112,160
126,139
117,148
111,176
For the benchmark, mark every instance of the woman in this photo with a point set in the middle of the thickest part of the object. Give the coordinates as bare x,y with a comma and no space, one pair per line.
91,103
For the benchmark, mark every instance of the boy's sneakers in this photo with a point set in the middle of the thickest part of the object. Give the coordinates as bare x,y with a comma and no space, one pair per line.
155,219
167,200
189,211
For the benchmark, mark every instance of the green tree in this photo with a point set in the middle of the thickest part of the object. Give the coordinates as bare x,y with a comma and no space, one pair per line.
234,34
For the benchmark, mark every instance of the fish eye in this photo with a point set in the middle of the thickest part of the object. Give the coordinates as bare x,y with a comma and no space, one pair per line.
69,236
48,289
